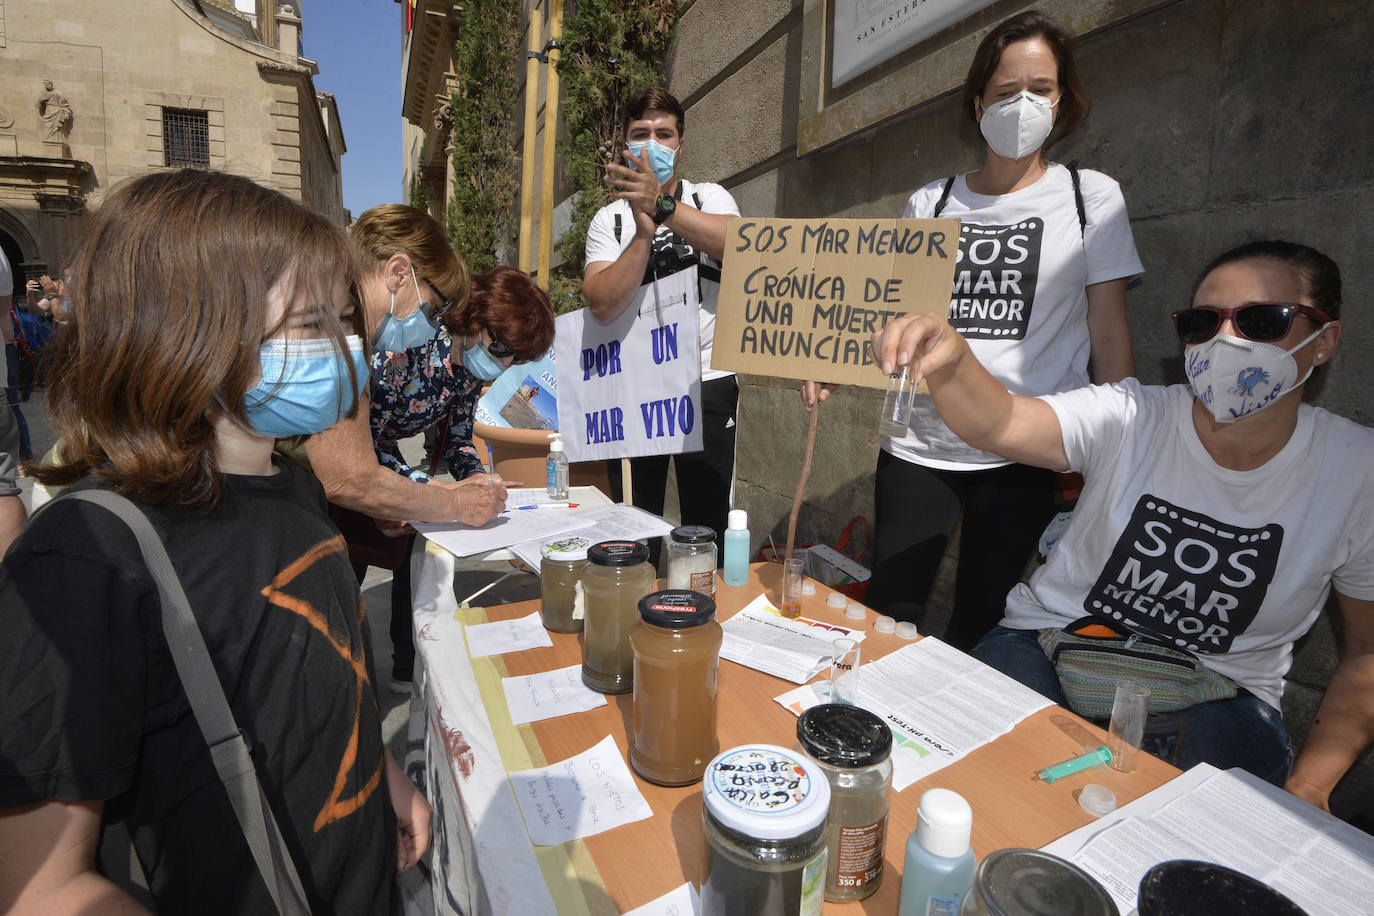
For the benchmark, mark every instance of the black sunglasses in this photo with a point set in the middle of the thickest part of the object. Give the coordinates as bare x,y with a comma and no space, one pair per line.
445,302
1261,321
499,350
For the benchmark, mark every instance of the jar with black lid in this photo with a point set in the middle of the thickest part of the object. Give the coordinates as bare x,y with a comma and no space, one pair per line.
691,558
617,575
676,644
764,812
853,748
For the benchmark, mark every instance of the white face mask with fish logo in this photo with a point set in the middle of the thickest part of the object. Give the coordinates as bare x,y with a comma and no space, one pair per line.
1234,377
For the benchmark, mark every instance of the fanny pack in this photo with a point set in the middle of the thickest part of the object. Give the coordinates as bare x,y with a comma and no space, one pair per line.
1091,655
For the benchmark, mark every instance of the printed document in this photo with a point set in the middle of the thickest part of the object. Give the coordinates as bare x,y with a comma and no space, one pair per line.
510,527
940,704
797,650
1232,818
613,523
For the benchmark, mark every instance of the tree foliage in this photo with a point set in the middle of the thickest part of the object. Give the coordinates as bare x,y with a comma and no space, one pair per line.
610,49
484,160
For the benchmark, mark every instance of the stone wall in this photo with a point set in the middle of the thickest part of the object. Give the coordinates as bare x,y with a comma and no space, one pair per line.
1222,121
118,64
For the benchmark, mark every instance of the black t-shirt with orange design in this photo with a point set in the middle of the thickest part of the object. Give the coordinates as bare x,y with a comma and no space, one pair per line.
92,709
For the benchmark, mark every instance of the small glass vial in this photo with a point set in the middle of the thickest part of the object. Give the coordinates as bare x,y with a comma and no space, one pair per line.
897,405
853,748
617,575
562,606
764,812
691,558
676,644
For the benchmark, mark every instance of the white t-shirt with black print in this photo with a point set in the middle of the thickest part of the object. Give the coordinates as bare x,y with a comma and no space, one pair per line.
602,245
1232,565
1019,294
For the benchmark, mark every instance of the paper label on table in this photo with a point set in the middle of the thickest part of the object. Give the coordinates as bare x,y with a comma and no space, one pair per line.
549,694
613,523
681,901
940,704
587,794
759,637
510,527
502,636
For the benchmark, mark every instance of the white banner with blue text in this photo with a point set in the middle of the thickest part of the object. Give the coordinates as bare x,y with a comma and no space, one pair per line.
632,387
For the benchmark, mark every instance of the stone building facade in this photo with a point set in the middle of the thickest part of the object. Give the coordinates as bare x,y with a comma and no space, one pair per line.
427,77
1222,121
151,84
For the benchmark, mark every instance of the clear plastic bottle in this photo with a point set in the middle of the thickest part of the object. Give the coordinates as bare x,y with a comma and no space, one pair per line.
736,571
939,862
556,471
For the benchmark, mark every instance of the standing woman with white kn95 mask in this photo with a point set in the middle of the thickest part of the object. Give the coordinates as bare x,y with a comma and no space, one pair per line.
1045,252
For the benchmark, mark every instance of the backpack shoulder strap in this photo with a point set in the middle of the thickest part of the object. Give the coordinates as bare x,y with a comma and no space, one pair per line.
617,228
228,747
944,196
1078,196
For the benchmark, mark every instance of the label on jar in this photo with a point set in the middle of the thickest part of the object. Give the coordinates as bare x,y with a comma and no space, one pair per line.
860,854
704,582
813,886
759,779
579,601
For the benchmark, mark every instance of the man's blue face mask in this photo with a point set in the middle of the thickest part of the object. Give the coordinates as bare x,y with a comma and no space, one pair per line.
661,158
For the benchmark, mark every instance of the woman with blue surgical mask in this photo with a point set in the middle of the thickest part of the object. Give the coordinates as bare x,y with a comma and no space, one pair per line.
438,340
1045,252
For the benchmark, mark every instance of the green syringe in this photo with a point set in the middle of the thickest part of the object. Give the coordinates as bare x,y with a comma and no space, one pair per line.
1073,765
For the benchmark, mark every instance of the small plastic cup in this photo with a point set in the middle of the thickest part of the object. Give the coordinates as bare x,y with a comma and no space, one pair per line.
1127,730
844,671
793,575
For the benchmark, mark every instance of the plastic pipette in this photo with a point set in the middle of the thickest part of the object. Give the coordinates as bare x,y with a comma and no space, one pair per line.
1075,764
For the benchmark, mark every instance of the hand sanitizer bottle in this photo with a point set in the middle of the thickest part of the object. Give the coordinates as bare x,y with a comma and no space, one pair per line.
736,570
939,862
556,471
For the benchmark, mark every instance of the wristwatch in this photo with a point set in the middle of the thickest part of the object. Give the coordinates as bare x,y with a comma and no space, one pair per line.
666,207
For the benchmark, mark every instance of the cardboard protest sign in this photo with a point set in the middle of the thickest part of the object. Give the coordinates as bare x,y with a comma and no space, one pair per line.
632,387
800,298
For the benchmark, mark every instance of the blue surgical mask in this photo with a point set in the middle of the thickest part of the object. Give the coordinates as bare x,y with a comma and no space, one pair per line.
305,386
397,334
482,364
661,158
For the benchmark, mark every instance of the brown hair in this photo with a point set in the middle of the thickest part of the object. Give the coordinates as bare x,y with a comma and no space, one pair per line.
512,308
655,98
387,229
1074,102
169,306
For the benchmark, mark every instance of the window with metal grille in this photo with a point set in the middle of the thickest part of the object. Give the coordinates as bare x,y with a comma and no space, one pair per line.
186,137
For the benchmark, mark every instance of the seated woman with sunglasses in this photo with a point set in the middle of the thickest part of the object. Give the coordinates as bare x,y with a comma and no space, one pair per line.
1216,516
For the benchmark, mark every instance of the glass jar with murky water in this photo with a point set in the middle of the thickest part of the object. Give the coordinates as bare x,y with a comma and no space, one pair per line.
617,575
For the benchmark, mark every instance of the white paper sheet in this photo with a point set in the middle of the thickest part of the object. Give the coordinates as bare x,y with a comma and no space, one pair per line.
940,704
797,650
587,794
548,694
502,636
533,496
681,901
510,527
1234,819
615,523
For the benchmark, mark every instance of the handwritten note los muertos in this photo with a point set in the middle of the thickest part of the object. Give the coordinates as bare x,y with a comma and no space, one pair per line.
801,298
587,794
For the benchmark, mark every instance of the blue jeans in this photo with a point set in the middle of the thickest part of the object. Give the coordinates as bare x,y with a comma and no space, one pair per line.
1243,732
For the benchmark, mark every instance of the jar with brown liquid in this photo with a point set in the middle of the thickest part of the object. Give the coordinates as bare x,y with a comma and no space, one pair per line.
617,575
561,607
676,645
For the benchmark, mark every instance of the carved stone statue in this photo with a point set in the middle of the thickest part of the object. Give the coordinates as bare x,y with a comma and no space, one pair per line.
56,113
